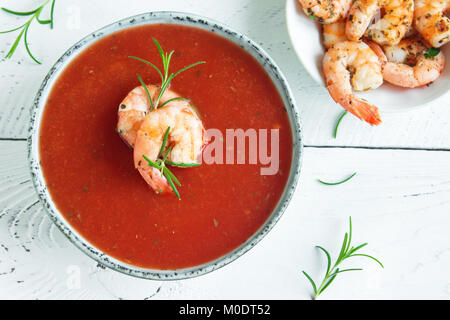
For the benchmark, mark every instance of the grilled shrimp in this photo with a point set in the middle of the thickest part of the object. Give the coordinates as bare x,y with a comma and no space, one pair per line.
348,64
407,64
390,29
326,11
431,22
186,139
133,110
333,33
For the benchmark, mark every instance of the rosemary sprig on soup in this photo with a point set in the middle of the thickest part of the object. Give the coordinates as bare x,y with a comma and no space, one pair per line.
166,79
161,163
162,127
35,15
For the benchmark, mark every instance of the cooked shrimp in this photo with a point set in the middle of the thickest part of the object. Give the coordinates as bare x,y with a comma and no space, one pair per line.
187,138
407,64
431,22
353,63
390,29
326,11
133,110
333,33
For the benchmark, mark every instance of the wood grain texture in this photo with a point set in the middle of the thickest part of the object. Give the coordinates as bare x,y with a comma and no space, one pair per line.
399,201
262,20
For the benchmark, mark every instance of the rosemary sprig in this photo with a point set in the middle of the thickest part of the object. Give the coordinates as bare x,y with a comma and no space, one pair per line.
347,251
336,183
166,77
339,122
35,14
161,164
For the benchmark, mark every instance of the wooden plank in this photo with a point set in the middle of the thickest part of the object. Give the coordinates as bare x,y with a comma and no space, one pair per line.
399,202
261,20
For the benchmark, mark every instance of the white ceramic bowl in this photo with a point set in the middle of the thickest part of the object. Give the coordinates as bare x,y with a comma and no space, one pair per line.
305,36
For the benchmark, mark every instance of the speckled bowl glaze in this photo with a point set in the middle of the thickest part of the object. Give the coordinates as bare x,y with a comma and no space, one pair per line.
171,18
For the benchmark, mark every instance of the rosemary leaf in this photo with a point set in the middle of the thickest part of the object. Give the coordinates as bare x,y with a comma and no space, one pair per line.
172,176
338,123
150,64
163,146
17,13
336,183
152,107
367,256
174,99
52,11
311,281
172,185
185,165
26,46
188,67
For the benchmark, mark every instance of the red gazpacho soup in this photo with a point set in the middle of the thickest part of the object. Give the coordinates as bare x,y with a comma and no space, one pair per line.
90,172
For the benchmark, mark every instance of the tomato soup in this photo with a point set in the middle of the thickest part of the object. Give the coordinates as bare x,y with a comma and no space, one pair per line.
90,172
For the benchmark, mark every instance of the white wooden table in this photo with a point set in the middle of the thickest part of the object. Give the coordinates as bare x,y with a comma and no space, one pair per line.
399,201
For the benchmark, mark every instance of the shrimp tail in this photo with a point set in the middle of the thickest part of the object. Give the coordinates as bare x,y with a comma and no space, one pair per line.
377,49
361,109
365,111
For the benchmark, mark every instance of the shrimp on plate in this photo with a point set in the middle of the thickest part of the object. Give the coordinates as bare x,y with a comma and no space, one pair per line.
431,21
333,33
409,64
389,29
185,141
348,64
326,11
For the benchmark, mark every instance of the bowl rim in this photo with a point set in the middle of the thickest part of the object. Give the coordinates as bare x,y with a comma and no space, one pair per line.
320,81
180,18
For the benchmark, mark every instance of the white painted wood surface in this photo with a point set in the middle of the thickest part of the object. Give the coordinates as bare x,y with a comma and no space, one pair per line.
399,200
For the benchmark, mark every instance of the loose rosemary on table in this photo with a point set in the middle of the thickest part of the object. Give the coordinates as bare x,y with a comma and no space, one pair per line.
347,251
35,14
166,78
336,183
339,122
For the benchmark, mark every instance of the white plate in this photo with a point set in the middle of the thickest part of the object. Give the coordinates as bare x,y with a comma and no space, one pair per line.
305,36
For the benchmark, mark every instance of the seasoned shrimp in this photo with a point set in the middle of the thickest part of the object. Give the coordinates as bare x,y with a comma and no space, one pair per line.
186,139
390,29
353,63
133,110
326,11
431,22
407,64
333,33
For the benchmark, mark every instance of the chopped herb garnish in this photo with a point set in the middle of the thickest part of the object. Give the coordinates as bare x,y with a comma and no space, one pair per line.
312,17
347,251
35,14
166,78
432,52
336,183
